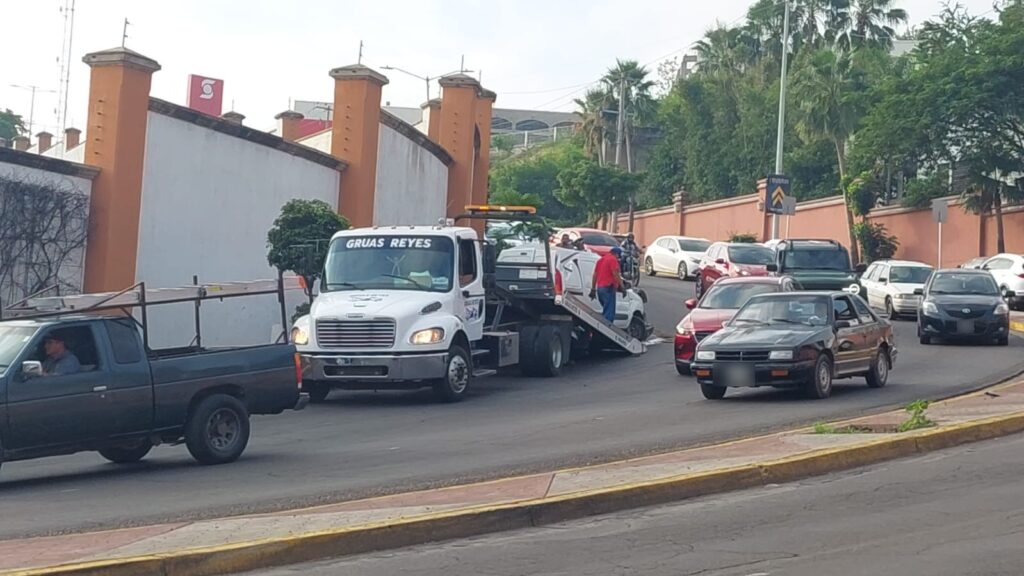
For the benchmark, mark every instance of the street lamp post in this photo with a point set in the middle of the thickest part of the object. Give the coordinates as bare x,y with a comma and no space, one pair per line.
782,112
426,79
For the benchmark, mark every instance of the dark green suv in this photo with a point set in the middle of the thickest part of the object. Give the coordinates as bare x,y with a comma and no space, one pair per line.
819,265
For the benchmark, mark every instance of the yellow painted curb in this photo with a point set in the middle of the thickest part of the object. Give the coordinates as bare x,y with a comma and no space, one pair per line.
1017,326
463,523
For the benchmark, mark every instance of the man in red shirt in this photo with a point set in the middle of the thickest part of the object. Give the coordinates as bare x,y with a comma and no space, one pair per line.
608,281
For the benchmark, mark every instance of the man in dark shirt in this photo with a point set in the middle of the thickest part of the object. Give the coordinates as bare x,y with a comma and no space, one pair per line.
59,360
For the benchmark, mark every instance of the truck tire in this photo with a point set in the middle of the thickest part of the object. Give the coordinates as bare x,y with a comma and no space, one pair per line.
453,385
317,391
527,343
217,431
548,352
128,453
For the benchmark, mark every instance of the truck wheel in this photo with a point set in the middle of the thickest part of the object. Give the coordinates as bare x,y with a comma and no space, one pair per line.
217,432
317,392
528,335
548,352
453,385
127,454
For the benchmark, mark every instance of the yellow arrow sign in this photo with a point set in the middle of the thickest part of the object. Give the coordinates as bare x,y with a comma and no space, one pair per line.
778,195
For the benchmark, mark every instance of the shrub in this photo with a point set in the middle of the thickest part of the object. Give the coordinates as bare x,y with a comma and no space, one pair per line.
875,241
742,237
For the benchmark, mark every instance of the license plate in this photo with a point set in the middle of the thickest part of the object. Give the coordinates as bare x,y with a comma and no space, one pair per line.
739,375
965,327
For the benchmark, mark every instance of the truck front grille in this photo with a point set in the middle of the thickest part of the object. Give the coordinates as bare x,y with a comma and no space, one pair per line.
355,333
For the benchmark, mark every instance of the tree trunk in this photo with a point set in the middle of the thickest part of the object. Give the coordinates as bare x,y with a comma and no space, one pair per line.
629,168
851,235
997,207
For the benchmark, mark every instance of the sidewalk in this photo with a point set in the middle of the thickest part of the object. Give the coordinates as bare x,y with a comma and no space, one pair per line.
227,545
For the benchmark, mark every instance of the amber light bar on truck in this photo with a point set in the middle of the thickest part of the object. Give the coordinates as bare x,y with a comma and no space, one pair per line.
507,209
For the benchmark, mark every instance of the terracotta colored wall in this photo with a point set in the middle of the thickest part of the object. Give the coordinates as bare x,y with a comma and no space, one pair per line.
1013,232
648,227
817,219
717,221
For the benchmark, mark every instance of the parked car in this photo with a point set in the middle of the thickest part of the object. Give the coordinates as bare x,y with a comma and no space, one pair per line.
1008,270
74,380
716,307
797,339
960,304
819,265
732,260
677,255
890,286
974,263
597,241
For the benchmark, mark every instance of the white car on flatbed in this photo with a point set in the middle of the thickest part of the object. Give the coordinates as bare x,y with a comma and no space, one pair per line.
405,307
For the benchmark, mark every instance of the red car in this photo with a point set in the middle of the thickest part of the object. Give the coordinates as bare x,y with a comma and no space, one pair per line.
717,307
733,260
597,241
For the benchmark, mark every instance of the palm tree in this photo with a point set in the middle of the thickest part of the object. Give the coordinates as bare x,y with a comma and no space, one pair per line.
628,82
594,128
824,86
872,23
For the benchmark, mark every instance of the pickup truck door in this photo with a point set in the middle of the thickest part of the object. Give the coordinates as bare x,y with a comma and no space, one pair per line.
470,300
129,385
57,410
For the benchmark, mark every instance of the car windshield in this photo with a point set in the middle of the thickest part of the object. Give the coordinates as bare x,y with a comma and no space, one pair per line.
755,255
909,274
12,340
694,245
734,296
598,239
792,309
967,284
825,259
421,263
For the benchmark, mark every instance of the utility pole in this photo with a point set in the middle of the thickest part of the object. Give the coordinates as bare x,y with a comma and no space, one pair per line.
32,103
360,60
782,112
620,124
124,32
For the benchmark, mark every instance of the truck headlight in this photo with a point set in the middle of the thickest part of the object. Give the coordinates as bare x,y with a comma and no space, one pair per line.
299,336
428,336
780,355
706,355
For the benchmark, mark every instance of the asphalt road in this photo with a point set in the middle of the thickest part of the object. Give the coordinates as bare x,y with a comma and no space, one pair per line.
361,444
953,513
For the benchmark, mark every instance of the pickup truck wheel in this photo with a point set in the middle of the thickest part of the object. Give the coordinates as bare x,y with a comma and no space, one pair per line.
548,352
452,387
127,454
218,430
879,373
317,392
820,385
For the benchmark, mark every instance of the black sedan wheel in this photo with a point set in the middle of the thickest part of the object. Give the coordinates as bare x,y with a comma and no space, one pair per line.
713,392
820,385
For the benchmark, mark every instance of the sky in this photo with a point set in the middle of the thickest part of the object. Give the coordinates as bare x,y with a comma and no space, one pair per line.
535,54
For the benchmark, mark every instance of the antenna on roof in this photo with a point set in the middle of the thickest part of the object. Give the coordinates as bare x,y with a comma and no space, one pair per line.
124,32
360,61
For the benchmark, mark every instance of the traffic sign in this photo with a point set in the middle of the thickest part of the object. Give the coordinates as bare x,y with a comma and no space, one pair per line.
940,210
778,190
789,206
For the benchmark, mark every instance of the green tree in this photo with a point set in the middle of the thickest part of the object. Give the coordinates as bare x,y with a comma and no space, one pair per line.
872,23
532,179
11,125
298,240
594,189
593,109
628,82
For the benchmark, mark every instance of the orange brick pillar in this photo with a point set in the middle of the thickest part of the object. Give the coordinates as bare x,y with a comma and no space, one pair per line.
116,143
459,136
482,162
354,138
431,117
289,124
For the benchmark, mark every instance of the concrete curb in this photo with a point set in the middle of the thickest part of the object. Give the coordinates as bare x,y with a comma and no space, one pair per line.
528,513
1017,326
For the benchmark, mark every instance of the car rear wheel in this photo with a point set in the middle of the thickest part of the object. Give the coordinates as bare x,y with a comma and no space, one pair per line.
879,373
698,285
217,432
127,453
820,385
713,392
682,272
649,267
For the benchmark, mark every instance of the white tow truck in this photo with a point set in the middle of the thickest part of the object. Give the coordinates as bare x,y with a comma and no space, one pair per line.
406,307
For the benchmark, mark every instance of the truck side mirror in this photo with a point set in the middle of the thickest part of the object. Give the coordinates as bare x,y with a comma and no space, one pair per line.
772,267
31,369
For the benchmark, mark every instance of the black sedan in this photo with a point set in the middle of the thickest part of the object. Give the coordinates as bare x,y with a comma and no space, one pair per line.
796,339
962,304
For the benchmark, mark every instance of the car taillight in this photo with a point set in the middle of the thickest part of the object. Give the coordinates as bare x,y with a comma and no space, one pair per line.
558,282
298,370
1021,275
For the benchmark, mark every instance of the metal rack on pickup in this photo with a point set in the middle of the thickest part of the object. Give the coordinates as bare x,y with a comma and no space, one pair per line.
38,306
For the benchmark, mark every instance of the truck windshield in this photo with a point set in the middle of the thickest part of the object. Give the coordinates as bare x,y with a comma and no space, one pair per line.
12,340
828,259
419,263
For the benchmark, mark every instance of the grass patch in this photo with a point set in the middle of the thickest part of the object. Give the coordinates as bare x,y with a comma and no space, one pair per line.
917,419
826,428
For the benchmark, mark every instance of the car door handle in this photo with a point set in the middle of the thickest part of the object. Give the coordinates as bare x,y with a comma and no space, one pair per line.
99,388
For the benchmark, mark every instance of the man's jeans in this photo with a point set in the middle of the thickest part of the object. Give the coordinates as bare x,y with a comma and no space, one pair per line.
606,296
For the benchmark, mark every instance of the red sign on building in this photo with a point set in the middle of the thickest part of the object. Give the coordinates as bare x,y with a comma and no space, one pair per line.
205,95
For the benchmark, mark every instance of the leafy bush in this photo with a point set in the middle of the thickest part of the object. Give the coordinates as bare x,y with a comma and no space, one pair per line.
919,192
875,241
862,192
742,237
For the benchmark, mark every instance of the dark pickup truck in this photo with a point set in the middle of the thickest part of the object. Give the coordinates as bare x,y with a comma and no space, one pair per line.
73,382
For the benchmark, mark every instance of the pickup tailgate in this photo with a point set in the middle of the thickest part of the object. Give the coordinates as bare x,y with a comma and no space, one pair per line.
265,375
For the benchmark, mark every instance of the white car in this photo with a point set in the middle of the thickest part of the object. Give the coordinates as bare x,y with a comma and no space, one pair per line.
677,255
890,285
1008,270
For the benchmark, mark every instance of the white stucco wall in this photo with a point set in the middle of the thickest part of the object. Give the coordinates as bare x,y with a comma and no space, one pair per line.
412,183
72,273
208,200
76,154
